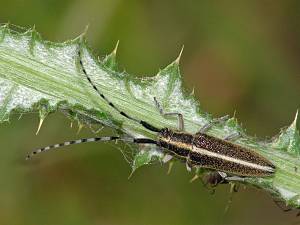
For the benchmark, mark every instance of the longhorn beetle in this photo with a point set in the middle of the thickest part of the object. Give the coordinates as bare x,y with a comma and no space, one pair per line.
196,150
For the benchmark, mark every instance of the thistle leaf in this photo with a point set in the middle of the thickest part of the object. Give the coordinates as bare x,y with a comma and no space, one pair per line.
110,61
145,156
45,77
289,139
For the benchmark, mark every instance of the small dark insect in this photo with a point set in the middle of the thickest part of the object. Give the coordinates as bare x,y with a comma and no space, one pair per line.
196,150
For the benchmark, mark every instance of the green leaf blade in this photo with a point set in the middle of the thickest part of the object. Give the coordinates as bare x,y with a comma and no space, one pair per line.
44,77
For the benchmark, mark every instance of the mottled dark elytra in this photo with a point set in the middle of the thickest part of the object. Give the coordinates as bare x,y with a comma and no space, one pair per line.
213,153
199,150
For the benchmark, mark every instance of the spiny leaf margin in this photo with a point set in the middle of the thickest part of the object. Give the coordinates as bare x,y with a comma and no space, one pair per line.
44,77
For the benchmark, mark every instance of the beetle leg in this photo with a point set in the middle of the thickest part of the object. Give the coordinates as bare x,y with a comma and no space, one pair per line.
180,116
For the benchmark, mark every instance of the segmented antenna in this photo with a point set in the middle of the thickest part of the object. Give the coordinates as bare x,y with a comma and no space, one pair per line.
143,123
96,139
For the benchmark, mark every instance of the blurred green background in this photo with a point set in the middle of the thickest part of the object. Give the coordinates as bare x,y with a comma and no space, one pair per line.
239,56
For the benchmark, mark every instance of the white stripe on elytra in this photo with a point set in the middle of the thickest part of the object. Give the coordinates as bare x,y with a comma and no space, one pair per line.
203,151
231,159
